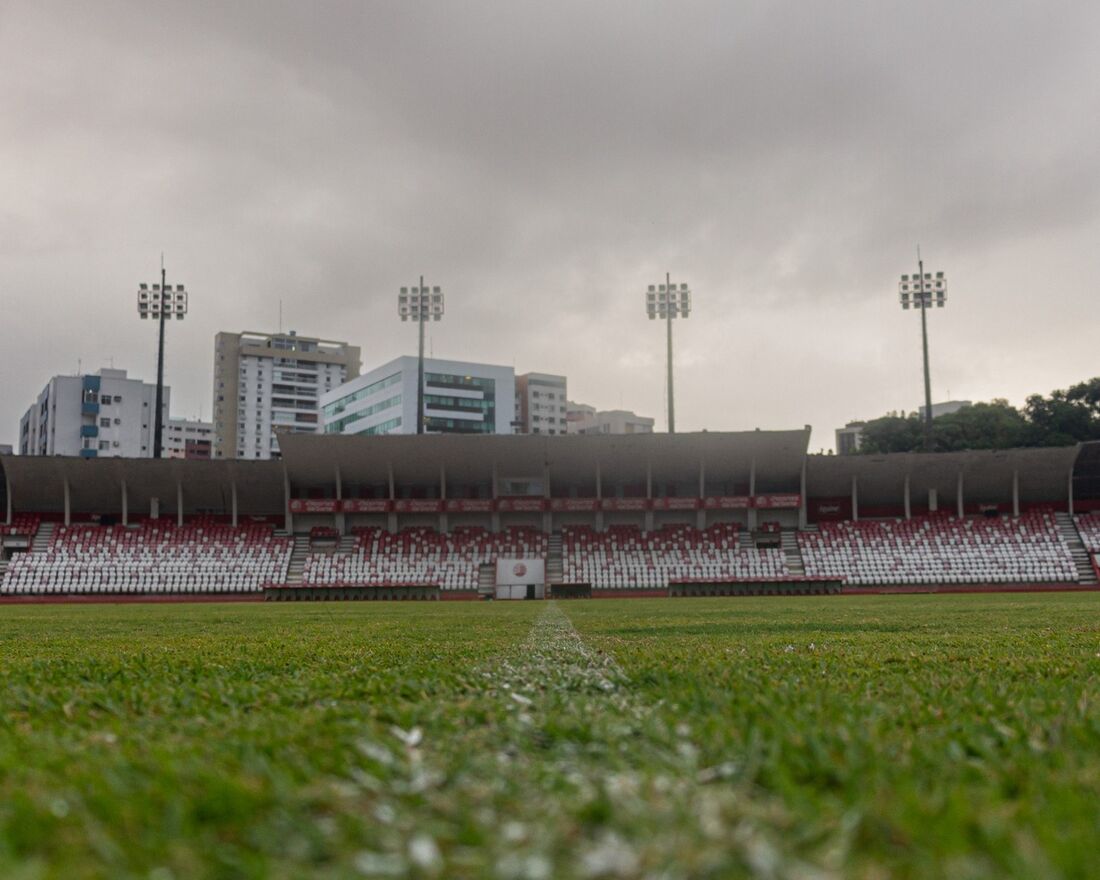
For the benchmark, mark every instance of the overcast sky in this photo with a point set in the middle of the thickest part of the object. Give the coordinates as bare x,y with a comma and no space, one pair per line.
544,162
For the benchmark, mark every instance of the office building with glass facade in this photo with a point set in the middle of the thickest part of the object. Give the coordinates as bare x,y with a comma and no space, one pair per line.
459,398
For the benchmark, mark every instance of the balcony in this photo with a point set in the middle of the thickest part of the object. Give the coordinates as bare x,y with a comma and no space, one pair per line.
89,453
89,409
89,430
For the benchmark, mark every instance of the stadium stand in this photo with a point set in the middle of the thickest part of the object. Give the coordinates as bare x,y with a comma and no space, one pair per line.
707,513
1088,527
940,549
625,557
22,524
421,557
152,557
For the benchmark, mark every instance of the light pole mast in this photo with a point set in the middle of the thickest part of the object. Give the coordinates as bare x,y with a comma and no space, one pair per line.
158,424
420,366
420,305
665,301
922,292
161,303
927,373
668,330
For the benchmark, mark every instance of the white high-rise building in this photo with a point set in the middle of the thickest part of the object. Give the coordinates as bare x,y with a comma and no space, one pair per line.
99,415
459,398
188,438
585,419
540,404
265,383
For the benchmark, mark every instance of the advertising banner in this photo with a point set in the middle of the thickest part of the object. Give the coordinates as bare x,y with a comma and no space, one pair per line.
521,505
625,504
775,502
726,502
418,505
574,505
365,505
314,505
521,571
677,503
468,505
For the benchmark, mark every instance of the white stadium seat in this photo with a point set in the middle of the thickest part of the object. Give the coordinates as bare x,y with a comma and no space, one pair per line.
421,557
940,549
624,557
153,557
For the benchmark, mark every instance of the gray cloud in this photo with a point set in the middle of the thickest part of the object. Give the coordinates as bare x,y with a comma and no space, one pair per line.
544,162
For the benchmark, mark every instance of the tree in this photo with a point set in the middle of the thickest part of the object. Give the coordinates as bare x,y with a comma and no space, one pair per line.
891,434
1061,419
993,425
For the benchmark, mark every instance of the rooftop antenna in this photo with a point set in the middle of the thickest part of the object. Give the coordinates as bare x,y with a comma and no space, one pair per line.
280,316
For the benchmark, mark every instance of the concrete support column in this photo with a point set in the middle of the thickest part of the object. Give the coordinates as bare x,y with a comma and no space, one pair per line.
855,498
443,499
960,502
752,494
1069,491
908,500
286,502
125,505
7,492
179,502
1015,492
495,524
233,501
341,520
391,517
933,501
649,495
547,515
701,514
599,497
803,503
68,502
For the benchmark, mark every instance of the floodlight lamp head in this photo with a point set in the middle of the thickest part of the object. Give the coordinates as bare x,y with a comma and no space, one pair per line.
922,291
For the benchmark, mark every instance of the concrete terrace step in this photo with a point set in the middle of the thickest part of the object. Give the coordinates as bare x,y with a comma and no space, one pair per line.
486,578
43,537
792,552
297,564
1082,559
555,566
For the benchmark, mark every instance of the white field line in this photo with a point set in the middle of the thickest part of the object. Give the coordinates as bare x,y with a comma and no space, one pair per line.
671,817
666,775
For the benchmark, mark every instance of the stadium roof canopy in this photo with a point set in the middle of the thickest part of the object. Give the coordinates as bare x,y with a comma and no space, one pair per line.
312,459
987,474
37,484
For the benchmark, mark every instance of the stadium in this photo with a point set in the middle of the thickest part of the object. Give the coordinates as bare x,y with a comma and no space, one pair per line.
358,357
455,517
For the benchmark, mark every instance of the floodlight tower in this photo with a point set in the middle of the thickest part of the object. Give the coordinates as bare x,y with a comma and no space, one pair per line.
923,291
420,304
665,301
161,303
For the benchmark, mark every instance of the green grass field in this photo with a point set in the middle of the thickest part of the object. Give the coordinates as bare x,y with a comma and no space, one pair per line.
898,736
